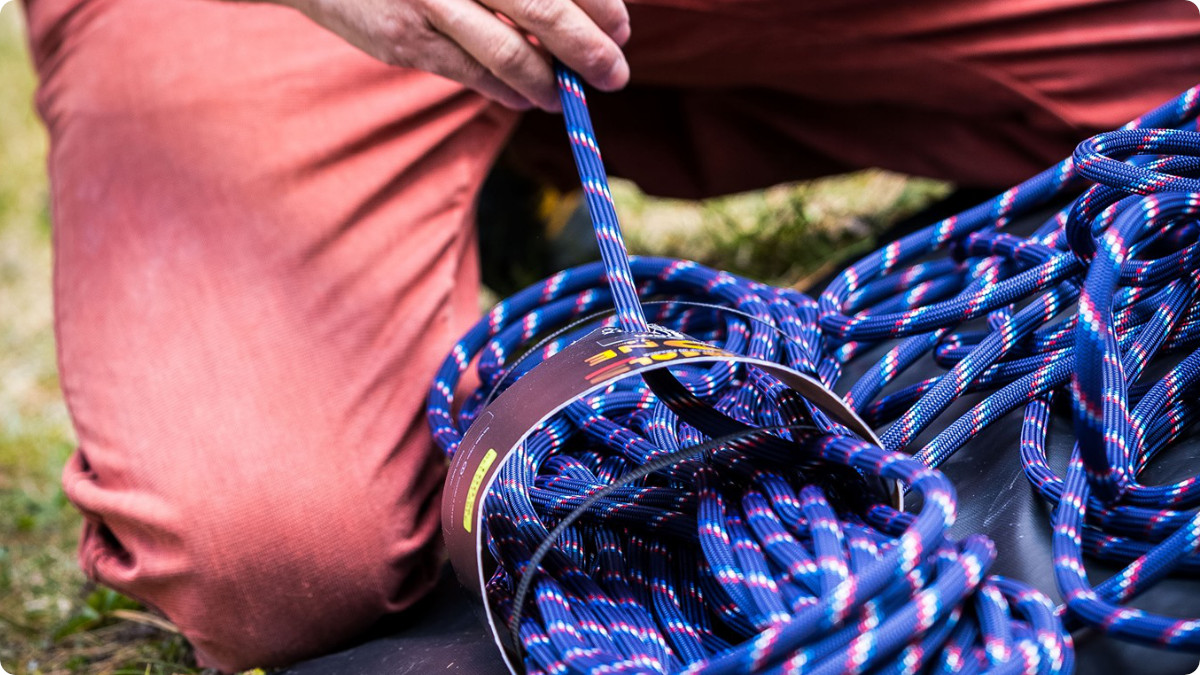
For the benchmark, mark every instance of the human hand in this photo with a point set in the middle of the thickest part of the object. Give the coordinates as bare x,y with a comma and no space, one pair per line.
467,41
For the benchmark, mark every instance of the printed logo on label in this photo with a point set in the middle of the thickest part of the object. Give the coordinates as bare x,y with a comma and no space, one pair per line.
637,351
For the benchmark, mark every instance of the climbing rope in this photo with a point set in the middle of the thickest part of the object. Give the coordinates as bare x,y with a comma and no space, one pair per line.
708,519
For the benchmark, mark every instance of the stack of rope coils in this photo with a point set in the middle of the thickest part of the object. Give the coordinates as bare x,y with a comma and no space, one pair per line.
628,540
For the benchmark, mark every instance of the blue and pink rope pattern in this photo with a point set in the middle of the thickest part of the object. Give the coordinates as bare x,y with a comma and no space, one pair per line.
764,556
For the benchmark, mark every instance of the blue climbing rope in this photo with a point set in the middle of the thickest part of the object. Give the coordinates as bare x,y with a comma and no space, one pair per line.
708,520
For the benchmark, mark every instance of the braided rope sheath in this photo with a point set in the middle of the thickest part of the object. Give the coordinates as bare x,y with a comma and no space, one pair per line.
758,553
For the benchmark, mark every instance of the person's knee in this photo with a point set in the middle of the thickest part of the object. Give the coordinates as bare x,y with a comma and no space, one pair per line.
262,572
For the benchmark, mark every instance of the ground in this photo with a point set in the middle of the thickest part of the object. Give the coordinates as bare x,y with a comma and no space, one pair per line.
51,620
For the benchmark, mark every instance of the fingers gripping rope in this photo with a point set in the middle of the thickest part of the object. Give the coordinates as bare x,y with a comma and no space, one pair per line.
708,519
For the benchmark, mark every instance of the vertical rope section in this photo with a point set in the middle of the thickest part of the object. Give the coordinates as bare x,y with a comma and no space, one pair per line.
598,196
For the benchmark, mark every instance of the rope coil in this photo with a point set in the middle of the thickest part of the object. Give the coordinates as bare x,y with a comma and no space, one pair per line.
708,519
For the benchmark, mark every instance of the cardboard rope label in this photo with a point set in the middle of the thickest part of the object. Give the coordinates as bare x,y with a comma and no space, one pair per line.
582,368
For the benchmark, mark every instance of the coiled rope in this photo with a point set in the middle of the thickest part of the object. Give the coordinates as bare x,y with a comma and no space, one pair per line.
711,521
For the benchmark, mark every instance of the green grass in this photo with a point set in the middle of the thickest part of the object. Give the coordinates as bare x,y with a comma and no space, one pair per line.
39,584
51,620
786,235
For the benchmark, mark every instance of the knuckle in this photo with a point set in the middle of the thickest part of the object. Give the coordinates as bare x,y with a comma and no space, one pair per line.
395,27
508,56
541,12
398,30
613,16
392,30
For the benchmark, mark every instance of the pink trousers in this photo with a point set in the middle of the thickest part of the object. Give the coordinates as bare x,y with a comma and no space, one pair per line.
264,245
